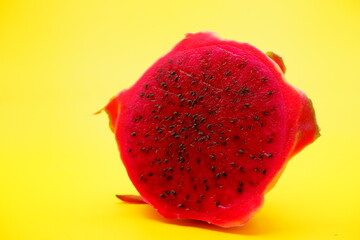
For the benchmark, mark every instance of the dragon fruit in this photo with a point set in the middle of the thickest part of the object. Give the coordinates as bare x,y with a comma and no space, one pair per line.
209,128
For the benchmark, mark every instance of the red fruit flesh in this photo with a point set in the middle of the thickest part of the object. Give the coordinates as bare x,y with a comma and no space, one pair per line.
209,128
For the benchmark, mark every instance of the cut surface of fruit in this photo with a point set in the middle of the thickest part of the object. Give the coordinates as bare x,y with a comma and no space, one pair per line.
208,129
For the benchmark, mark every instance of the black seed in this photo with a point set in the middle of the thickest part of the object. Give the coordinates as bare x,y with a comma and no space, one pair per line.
212,168
256,118
256,169
162,195
181,205
129,150
166,160
170,169
208,126
206,188
224,143
176,113
189,169
167,192
224,173
187,197
156,138
212,157
239,190
202,196
181,168
246,105
204,180
194,187
217,175
170,144
269,155
146,86
172,126
264,79
201,97
260,155
133,134
160,131
233,164
235,101
198,160
182,129
241,183
180,95
241,151
156,116
270,93
212,112
198,201
264,171
227,73
232,121
142,94
252,156
150,174
222,132
181,159
266,113
227,89
177,136
242,169
217,204
135,119
193,82
173,192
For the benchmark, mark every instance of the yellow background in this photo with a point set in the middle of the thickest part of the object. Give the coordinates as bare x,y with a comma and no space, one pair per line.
60,61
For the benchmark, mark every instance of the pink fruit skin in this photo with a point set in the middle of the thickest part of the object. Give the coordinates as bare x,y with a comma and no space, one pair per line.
299,118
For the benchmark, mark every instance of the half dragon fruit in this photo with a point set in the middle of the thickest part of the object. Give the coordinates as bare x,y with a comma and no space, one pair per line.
209,128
